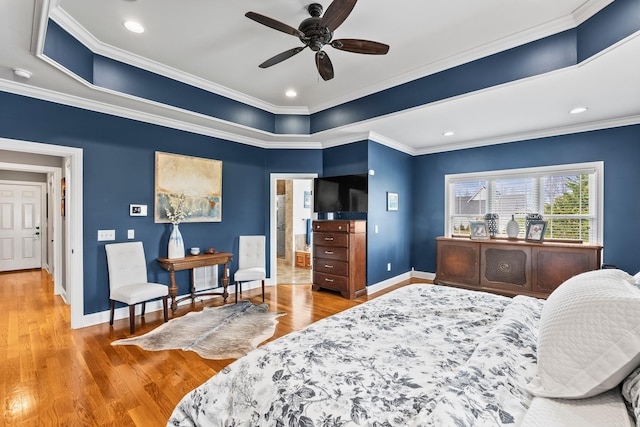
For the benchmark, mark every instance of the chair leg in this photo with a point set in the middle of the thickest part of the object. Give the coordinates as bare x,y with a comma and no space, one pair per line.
132,319
113,306
262,290
144,306
164,308
237,284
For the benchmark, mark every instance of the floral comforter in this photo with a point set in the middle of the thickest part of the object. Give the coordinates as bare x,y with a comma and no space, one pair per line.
422,355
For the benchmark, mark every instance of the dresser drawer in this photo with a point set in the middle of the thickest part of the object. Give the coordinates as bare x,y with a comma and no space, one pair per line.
328,252
332,239
329,281
329,266
340,226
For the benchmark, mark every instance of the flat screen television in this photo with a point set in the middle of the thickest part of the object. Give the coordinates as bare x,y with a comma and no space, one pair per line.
346,193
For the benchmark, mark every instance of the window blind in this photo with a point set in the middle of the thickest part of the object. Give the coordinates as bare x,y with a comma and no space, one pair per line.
565,197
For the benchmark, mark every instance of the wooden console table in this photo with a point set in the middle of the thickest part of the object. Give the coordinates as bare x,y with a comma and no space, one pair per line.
189,263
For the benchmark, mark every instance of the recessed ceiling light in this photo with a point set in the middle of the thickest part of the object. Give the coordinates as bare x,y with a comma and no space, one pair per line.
291,93
578,110
448,133
134,27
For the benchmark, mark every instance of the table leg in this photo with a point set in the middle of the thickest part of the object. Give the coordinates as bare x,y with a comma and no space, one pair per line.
225,283
173,291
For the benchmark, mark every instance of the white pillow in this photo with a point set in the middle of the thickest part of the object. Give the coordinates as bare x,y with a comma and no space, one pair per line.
589,336
606,409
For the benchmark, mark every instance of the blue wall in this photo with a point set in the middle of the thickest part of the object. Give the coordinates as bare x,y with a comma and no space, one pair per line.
119,157
119,154
619,148
392,242
119,164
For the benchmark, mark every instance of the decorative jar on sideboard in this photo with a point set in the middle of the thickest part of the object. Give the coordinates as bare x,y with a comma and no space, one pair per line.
513,228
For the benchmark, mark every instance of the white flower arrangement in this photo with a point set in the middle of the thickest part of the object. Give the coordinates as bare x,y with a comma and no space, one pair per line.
177,210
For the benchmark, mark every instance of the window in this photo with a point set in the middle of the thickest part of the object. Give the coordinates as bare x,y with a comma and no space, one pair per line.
568,197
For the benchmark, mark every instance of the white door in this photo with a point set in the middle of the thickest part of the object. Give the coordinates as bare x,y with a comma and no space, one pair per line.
20,245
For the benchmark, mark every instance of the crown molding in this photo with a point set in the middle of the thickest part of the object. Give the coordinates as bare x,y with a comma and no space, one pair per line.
315,141
535,33
544,133
66,21
73,27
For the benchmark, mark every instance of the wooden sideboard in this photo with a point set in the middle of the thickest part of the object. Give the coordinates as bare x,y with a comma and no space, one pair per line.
512,267
340,256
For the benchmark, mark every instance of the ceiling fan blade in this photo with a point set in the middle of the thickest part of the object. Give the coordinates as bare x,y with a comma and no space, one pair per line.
323,63
336,13
281,57
361,46
272,23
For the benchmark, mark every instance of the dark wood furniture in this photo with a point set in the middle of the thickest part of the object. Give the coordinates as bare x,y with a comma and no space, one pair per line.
303,259
340,256
189,263
512,267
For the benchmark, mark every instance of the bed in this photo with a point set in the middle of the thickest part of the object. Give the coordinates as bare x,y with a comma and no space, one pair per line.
428,355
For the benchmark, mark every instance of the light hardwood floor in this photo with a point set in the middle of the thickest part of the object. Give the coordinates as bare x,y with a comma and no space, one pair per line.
52,375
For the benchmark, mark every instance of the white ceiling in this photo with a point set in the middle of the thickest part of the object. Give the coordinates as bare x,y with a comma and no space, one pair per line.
211,44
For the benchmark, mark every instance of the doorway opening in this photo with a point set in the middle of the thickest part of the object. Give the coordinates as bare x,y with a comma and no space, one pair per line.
291,237
67,236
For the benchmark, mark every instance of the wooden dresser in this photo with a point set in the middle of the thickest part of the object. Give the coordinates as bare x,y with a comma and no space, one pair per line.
340,256
512,267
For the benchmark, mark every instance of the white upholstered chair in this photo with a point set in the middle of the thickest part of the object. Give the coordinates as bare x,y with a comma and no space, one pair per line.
128,281
251,262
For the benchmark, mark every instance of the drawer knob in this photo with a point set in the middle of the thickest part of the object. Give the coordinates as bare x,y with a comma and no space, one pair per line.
328,252
328,280
328,266
329,239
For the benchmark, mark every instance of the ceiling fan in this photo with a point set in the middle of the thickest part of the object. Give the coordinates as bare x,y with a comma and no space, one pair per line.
316,32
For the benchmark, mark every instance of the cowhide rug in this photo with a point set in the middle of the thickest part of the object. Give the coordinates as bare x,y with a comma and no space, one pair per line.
225,332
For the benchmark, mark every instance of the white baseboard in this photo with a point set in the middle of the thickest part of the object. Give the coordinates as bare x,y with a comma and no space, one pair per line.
413,274
153,306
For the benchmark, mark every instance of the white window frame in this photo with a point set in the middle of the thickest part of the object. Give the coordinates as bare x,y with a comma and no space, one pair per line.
596,168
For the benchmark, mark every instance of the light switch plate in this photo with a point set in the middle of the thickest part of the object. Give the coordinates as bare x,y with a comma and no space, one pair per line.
131,234
106,235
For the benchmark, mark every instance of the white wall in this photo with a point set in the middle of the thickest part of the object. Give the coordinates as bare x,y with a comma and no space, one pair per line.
300,213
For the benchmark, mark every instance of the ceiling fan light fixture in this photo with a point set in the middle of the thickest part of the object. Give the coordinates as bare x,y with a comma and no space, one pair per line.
291,93
133,26
316,32
578,110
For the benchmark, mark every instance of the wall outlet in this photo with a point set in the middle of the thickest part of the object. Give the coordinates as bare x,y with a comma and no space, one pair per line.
106,235
131,234
388,266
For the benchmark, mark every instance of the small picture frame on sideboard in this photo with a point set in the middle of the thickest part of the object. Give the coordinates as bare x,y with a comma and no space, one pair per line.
535,231
478,230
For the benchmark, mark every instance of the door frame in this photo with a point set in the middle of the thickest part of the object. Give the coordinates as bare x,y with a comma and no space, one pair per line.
273,223
72,255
